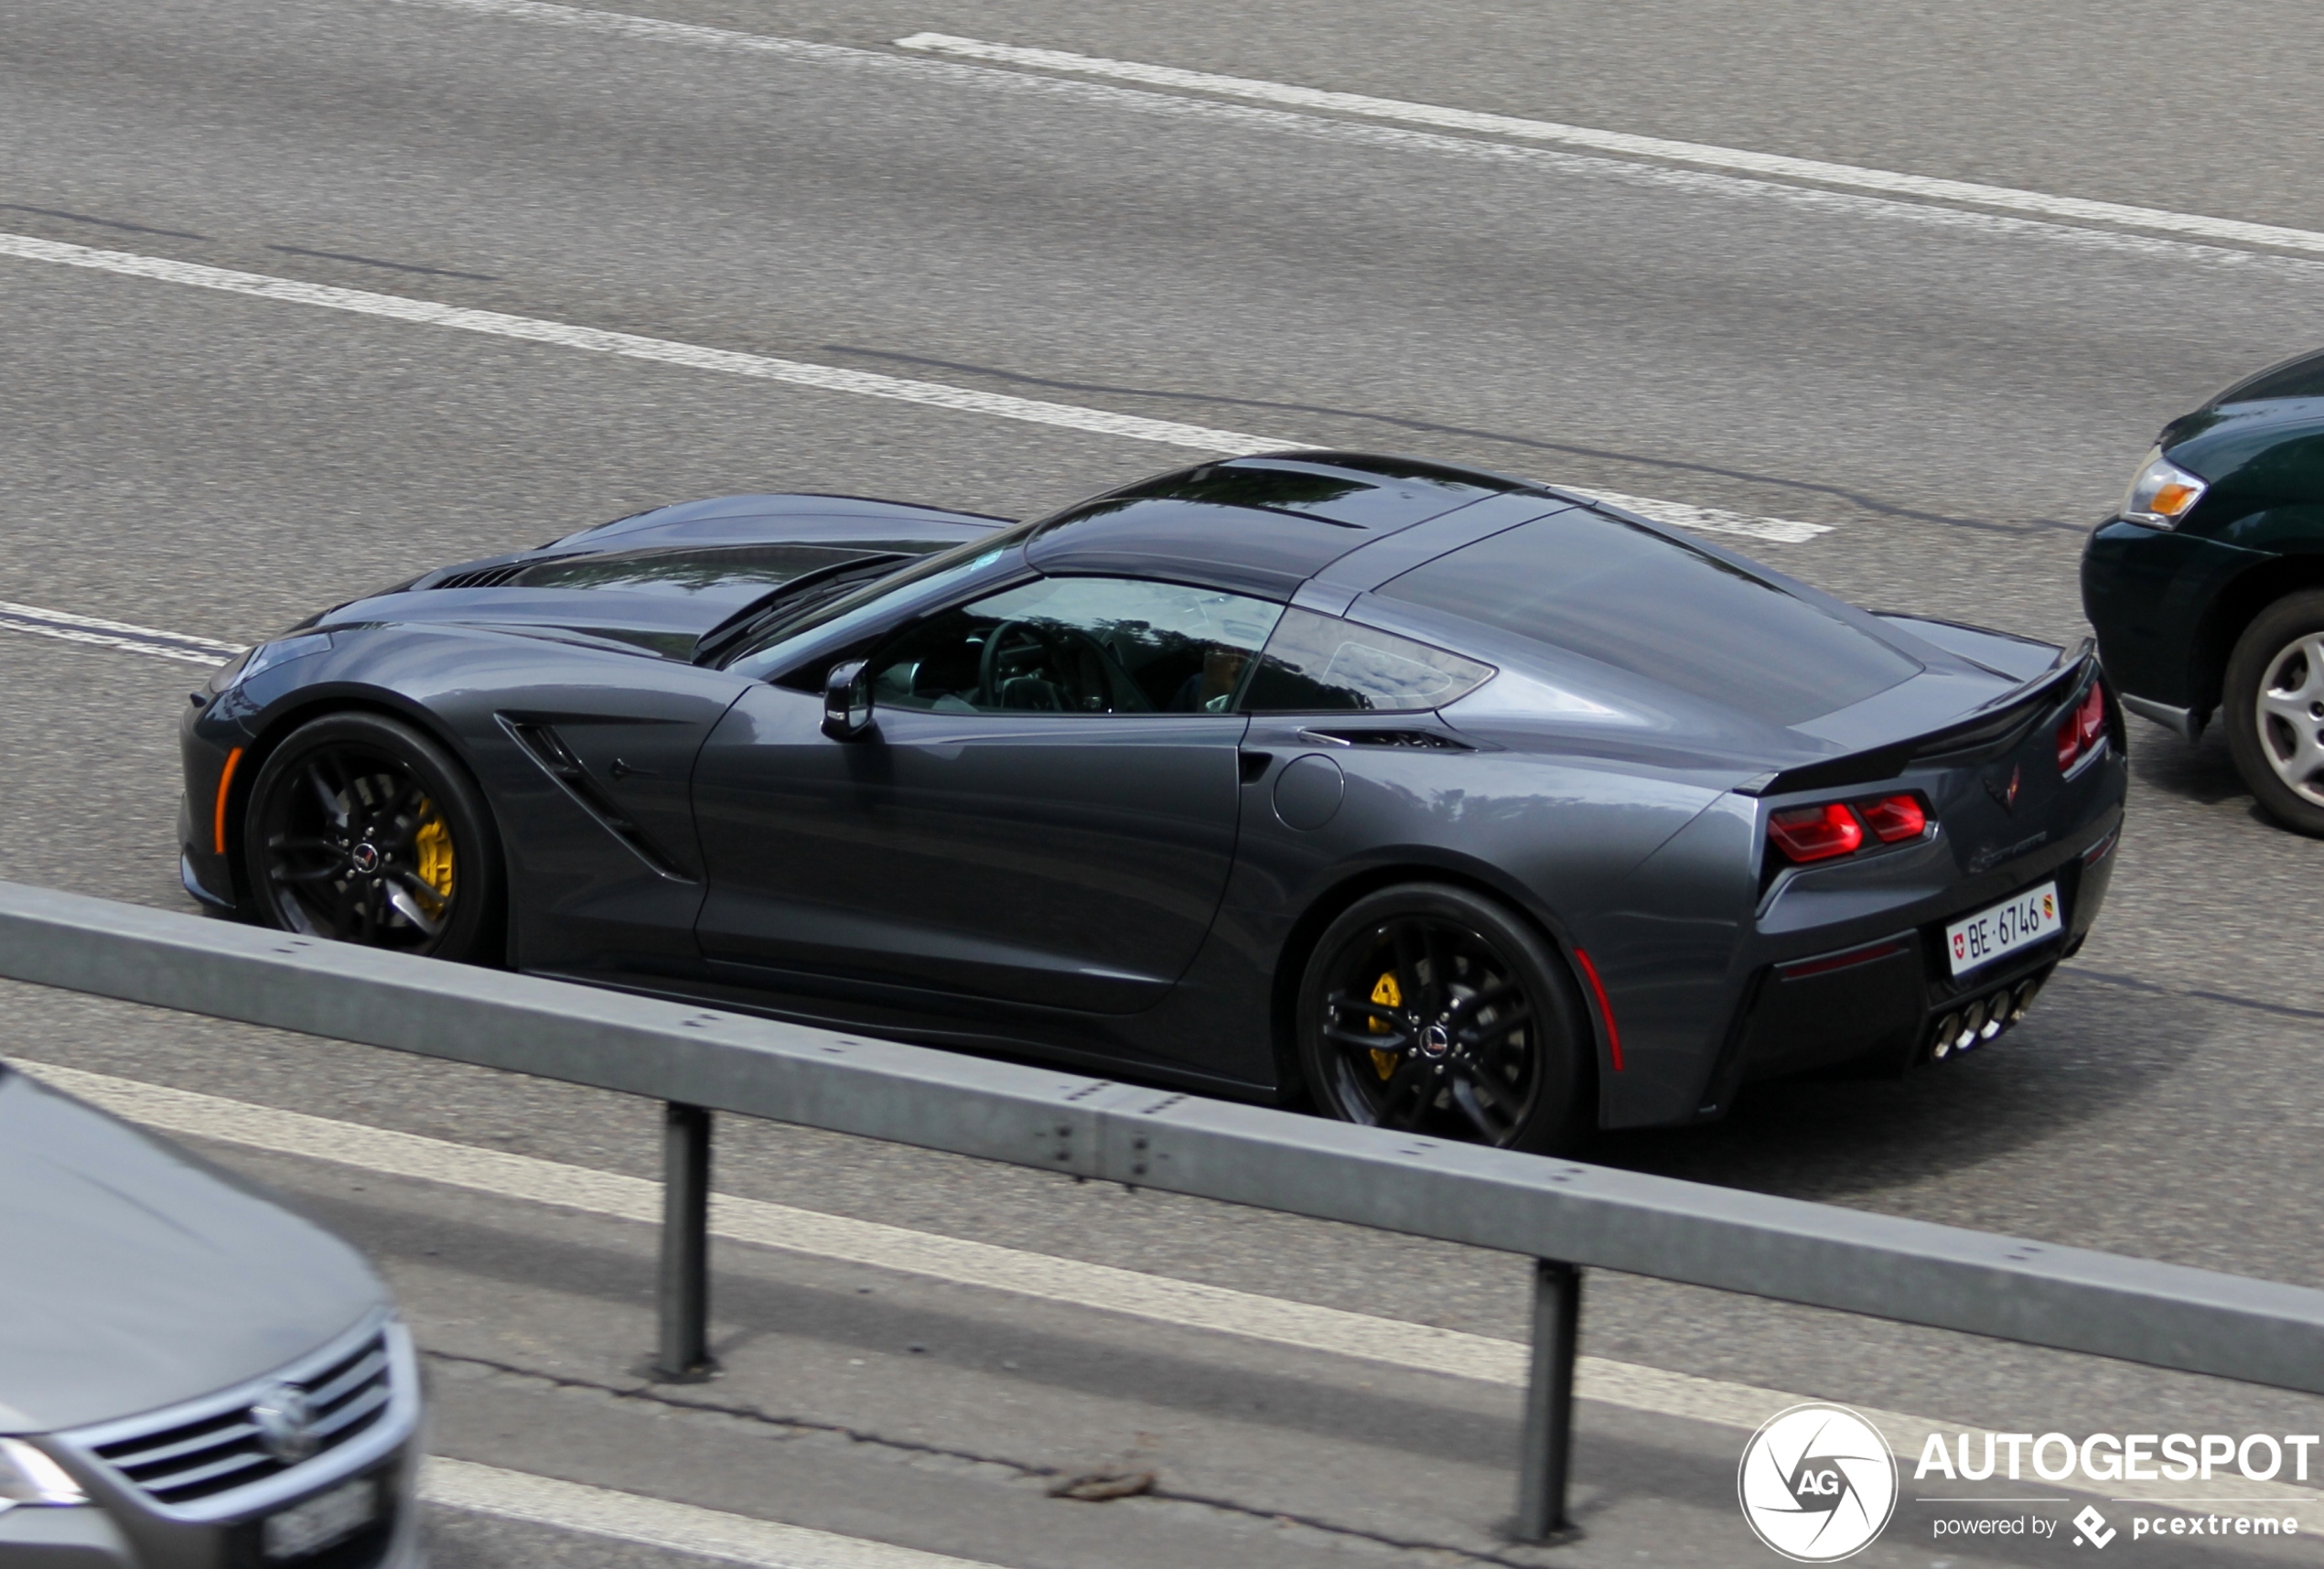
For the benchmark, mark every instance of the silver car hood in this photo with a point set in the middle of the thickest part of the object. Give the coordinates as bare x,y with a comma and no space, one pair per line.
134,1276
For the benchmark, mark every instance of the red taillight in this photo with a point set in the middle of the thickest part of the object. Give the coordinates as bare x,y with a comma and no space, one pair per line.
1819,832
1816,833
2082,729
1894,818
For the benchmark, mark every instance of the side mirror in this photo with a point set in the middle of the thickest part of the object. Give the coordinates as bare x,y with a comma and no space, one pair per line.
847,701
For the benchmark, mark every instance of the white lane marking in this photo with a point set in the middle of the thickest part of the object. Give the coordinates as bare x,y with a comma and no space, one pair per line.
694,356
1707,519
122,635
1381,134
658,1522
1622,143
1183,1304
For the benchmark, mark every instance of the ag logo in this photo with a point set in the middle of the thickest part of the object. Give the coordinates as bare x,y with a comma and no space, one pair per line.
1817,1483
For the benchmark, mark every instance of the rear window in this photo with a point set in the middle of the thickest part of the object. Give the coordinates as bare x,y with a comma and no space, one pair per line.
1616,593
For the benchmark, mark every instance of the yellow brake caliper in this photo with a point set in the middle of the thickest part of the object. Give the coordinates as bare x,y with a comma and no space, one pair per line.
1388,995
434,843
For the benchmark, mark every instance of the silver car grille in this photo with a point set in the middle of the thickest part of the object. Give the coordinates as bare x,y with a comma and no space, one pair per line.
185,1461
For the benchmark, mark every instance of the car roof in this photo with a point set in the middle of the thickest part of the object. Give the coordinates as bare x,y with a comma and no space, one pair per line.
1264,525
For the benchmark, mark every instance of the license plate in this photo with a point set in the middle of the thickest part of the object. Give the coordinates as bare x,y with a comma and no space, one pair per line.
322,1519
1998,932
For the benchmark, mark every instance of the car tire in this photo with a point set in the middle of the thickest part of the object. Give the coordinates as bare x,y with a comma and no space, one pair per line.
2273,709
1498,1048
361,829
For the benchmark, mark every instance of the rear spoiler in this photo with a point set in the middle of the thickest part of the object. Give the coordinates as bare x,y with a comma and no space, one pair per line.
1991,728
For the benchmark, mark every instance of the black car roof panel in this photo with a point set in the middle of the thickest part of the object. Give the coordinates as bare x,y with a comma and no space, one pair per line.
1376,561
1259,524
1378,496
1247,549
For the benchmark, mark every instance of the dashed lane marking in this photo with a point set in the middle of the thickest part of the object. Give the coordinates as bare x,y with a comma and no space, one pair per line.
1737,160
690,356
658,1522
797,372
104,634
1185,1305
1835,189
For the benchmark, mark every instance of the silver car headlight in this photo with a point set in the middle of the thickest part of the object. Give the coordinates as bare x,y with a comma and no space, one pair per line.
29,1477
2161,492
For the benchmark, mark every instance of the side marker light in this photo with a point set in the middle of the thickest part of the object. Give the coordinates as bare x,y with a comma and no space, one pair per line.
1604,1009
225,790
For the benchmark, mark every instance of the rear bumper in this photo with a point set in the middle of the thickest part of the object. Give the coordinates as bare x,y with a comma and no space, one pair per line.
1876,1006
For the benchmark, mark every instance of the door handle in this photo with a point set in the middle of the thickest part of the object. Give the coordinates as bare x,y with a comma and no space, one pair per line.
1255,766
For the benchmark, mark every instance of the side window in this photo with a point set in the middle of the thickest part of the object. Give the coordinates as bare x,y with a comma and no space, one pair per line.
1321,664
1079,645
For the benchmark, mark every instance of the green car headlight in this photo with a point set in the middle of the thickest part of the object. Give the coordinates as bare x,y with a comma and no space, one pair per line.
2161,492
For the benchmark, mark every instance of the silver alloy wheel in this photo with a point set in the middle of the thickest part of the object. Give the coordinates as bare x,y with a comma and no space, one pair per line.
2290,717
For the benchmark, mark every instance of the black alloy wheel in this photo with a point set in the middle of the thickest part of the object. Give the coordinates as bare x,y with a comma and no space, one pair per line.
1432,1010
2273,708
362,830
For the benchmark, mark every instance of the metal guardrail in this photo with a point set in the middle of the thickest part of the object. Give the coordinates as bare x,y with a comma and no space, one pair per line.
1564,1215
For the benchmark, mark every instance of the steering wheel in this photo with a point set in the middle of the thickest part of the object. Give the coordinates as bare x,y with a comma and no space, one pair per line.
1057,645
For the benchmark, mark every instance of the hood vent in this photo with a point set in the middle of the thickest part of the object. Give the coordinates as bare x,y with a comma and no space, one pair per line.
482,577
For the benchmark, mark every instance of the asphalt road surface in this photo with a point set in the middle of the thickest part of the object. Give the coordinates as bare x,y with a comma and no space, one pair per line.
1949,388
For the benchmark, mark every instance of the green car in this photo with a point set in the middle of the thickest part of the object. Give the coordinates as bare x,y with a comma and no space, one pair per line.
2207,585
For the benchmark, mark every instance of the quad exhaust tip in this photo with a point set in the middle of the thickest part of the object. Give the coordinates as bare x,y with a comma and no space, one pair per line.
1982,1020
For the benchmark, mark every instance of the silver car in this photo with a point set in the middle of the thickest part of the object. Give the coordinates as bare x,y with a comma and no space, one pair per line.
189,1373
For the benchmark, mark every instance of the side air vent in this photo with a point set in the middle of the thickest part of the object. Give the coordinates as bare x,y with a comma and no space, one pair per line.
1415,740
546,747
482,577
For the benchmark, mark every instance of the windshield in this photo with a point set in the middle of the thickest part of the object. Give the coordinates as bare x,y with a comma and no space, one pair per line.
2300,378
762,653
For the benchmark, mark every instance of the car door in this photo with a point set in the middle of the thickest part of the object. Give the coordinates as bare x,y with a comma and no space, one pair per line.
1043,811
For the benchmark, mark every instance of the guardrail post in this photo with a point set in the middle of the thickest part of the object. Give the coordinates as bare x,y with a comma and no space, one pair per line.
685,1244
1549,1401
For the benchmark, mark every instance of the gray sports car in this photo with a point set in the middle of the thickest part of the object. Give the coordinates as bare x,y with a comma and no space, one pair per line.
1450,801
